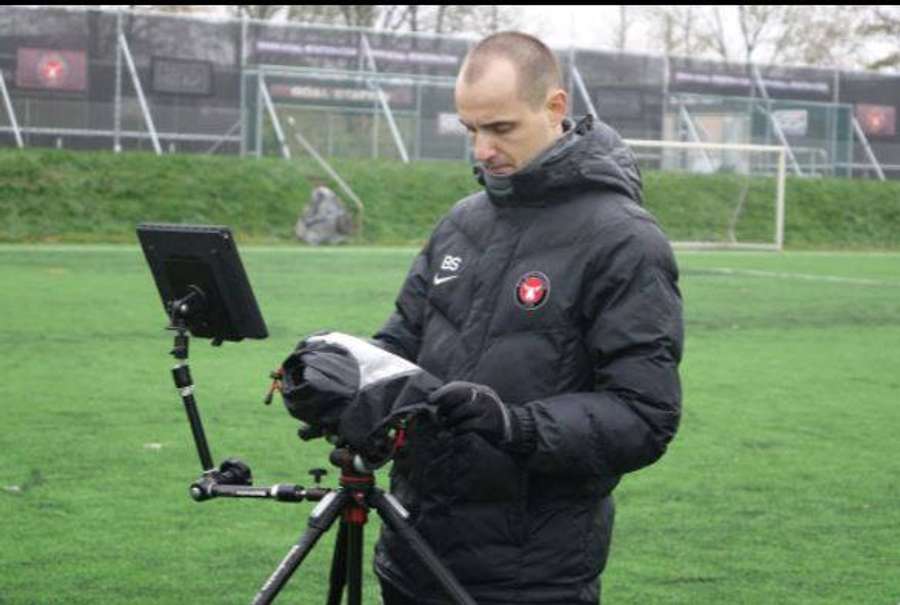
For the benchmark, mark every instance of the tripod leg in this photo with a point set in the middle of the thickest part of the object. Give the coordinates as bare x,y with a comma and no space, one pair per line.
354,563
394,515
320,520
338,577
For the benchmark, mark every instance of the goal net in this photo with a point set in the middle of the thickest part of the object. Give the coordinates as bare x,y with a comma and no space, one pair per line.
708,195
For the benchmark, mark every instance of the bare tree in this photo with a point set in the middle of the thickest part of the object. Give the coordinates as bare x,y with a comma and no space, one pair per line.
828,36
478,19
676,30
350,15
622,25
359,15
764,34
882,24
440,18
753,20
183,9
262,12
825,36
762,30
394,16
718,37
482,19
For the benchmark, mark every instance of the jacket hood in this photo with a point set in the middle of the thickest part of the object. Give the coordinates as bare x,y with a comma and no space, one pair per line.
589,155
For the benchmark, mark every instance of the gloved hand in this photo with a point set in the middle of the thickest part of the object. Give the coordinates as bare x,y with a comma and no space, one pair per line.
345,386
467,406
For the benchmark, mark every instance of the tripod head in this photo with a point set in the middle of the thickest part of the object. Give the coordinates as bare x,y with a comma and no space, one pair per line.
380,448
351,463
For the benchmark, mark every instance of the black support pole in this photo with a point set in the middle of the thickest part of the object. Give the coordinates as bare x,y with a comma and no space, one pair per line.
181,374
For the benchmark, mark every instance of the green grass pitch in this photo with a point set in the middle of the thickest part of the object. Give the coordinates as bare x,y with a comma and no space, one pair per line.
783,485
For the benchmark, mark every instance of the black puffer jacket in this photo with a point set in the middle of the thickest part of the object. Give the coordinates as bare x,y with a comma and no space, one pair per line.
562,296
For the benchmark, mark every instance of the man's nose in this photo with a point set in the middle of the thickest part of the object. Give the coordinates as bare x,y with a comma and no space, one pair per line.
484,148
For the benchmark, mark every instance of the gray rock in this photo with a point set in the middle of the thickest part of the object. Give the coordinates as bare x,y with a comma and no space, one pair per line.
325,220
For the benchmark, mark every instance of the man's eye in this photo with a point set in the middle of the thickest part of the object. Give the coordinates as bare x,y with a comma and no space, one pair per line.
503,128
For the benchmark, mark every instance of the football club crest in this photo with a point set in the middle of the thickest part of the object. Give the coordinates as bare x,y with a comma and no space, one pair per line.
532,290
50,69
53,70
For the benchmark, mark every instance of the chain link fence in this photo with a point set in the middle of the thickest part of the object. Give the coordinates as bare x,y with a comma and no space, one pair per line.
123,80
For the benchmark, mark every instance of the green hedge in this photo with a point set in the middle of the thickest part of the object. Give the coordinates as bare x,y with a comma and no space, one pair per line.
51,195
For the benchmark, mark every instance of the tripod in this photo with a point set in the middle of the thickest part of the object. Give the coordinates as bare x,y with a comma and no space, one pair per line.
350,502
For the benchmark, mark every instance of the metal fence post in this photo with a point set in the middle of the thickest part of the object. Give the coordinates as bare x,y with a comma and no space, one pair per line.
140,93
685,115
860,133
417,144
776,127
383,101
582,90
12,114
833,121
664,92
117,101
779,201
259,114
242,63
276,123
375,128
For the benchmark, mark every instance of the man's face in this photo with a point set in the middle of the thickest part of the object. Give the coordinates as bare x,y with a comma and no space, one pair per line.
507,132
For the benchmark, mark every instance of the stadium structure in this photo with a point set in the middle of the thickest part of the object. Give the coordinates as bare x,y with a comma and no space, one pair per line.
79,78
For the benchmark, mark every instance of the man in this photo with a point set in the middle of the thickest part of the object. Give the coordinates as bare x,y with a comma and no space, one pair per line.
548,304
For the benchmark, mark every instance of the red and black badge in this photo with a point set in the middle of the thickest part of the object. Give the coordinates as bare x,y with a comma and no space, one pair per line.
53,70
532,290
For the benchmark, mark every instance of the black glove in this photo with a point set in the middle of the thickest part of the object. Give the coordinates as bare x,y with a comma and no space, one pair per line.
467,406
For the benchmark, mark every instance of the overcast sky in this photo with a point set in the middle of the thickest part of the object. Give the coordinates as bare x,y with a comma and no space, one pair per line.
596,26
578,25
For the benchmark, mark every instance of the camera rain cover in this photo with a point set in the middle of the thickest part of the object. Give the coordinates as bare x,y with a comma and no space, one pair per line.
345,385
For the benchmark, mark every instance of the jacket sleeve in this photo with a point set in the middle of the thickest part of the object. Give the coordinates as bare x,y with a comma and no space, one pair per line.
402,332
632,310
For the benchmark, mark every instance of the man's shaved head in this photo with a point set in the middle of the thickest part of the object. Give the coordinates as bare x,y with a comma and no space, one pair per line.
536,67
510,99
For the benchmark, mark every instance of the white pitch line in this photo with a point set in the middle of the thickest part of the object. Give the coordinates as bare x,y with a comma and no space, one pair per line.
248,248
770,253
835,279
69,248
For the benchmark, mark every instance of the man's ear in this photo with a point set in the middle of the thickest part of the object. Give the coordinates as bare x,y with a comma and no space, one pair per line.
557,106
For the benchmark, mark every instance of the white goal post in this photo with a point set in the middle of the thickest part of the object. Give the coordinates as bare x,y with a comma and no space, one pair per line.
739,190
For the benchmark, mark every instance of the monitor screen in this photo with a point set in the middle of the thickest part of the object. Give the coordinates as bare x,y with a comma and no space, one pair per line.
204,258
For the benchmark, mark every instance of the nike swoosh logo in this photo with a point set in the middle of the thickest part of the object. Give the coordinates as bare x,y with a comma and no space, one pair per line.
439,280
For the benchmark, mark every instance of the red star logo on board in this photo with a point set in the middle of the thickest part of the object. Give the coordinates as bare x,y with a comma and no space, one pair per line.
53,69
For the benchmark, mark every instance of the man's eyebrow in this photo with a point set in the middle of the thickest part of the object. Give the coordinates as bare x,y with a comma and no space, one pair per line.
488,125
